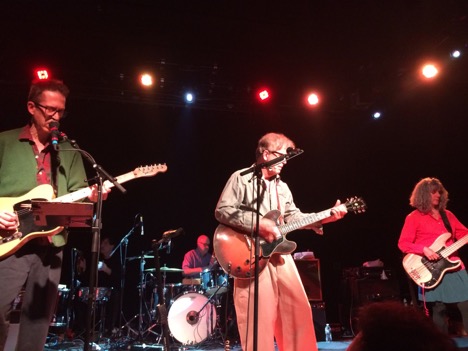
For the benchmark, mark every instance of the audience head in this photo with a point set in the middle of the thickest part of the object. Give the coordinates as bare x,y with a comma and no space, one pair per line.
391,326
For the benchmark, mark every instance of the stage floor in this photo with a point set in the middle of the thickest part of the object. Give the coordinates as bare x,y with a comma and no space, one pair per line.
462,343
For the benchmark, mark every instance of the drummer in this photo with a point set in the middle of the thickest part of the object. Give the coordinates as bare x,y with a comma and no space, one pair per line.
198,263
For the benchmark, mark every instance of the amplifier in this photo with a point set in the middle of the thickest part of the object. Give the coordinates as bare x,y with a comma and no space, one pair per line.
319,317
309,270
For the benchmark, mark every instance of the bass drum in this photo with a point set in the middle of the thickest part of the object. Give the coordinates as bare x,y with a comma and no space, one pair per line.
192,318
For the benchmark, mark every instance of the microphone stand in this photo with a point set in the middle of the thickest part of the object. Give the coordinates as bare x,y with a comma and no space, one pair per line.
96,233
123,245
157,246
257,173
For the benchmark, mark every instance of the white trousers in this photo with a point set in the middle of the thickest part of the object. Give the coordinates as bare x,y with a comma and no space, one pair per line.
284,312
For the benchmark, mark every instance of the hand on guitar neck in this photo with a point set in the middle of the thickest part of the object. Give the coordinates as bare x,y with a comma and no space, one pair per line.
270,232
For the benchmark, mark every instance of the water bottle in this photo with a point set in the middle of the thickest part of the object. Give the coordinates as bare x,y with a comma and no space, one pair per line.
328,334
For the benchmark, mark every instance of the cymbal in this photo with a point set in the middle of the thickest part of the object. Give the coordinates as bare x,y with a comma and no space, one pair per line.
138,257
165,269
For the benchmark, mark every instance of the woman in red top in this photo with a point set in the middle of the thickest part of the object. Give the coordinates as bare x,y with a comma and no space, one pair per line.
421,229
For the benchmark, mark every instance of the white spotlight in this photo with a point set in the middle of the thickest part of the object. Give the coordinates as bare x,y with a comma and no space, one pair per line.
377,115
189,97
455,54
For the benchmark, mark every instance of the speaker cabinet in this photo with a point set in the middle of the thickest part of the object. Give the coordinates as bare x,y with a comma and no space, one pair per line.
309,270
319,317
365,291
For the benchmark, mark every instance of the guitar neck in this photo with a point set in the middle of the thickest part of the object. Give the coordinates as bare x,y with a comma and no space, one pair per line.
454,247
85,192
303,222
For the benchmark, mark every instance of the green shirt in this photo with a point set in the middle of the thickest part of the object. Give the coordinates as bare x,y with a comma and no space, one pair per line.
18,168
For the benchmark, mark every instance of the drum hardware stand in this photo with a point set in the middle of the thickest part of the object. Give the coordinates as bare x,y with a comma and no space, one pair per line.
215,325
156,246
158,312
139,332
123,246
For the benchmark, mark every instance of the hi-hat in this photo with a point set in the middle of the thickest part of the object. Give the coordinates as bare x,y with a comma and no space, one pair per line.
165,269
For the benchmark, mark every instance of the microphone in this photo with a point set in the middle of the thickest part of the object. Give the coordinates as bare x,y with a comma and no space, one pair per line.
294,151
169,234
142,227
54,134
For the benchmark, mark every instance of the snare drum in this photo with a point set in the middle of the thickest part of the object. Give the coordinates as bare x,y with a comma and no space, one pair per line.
191,318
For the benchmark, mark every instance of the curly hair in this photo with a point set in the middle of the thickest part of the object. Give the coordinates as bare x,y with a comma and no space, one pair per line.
273,142
421,196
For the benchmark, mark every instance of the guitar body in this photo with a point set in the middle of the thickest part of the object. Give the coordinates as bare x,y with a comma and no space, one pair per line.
11,241
428,274
235,251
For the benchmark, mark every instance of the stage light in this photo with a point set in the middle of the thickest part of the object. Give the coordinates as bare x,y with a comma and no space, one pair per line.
42,74
429,71
263,95
189,97
313,99
146,80
377,115
455,54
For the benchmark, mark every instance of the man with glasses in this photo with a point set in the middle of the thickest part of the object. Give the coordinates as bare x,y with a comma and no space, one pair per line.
28,159
284,311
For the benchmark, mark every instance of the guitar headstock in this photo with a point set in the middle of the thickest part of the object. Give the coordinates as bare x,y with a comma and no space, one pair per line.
149,171
356,205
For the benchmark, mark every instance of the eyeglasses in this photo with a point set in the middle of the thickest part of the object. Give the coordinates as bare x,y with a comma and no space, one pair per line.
277,153
51,111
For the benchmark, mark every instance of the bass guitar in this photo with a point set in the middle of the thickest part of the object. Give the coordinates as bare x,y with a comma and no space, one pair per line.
428,274
11,240
235,251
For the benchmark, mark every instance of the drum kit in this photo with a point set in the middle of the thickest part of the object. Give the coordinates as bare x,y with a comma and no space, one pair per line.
194,305
197,307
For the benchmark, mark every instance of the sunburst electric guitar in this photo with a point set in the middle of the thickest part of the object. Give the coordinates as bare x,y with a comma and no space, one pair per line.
235,250
428,274
11,241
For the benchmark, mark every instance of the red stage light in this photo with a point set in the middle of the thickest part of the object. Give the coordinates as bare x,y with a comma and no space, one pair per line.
264,95
42,74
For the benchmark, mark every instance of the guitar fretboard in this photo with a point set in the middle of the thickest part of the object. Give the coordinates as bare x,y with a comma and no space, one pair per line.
85,192
300,223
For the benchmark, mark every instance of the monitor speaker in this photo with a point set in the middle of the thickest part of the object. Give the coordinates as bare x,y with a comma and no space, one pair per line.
309,270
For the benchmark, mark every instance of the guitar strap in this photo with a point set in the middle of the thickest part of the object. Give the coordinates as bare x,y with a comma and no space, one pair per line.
446,221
